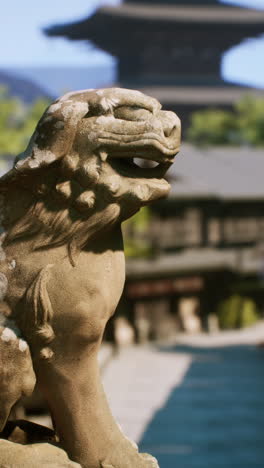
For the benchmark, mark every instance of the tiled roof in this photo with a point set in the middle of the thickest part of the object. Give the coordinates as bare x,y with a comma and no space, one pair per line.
226,173
195,260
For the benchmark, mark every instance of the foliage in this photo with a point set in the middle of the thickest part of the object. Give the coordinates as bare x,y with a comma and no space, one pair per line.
237,312
135,231
243,125
211,127
17,122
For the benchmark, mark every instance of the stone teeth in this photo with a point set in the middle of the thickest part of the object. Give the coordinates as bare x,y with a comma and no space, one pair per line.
103,155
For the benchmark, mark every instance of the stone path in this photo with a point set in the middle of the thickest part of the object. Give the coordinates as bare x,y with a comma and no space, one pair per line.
194,406
214,419
253,335
138,382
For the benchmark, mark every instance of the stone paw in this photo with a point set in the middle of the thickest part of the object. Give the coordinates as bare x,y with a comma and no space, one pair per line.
131,460
147,461
152,461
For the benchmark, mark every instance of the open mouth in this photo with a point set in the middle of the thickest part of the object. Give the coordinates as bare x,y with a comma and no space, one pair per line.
146,162
139,167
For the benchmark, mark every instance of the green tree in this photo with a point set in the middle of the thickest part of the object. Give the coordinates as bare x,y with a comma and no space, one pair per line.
237,312
211,127
250,116
17,122
135,229
243,125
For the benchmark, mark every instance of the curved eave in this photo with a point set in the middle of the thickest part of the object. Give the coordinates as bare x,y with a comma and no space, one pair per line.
194,14
107,17
192,3
197,95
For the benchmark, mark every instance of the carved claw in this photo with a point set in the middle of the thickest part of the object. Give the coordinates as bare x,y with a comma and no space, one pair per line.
153,462
148,462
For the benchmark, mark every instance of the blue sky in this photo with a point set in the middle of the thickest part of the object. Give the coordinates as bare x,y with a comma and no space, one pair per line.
26,46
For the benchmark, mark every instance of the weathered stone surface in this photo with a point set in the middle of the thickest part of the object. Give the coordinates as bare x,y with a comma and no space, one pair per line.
17,377
14,455
62,267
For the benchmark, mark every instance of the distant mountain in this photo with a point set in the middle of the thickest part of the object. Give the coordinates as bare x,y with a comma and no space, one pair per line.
25,89
30,83
59,80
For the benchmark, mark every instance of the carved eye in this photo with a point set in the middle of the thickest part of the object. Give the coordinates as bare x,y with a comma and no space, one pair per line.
132,113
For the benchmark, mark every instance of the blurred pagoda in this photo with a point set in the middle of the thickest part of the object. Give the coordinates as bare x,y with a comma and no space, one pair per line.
171,50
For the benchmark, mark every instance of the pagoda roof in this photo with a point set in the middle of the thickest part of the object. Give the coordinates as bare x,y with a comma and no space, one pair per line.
179,2
189,13
200,95
130,12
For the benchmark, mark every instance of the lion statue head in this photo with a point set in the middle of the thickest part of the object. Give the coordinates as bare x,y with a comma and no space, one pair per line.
78,173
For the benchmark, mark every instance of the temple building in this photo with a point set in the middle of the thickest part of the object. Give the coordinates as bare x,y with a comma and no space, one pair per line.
207,239
171,50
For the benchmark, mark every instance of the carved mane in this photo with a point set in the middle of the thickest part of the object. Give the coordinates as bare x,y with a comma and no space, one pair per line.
66,212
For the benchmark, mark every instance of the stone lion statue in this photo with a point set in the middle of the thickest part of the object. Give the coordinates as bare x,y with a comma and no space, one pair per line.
62,262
